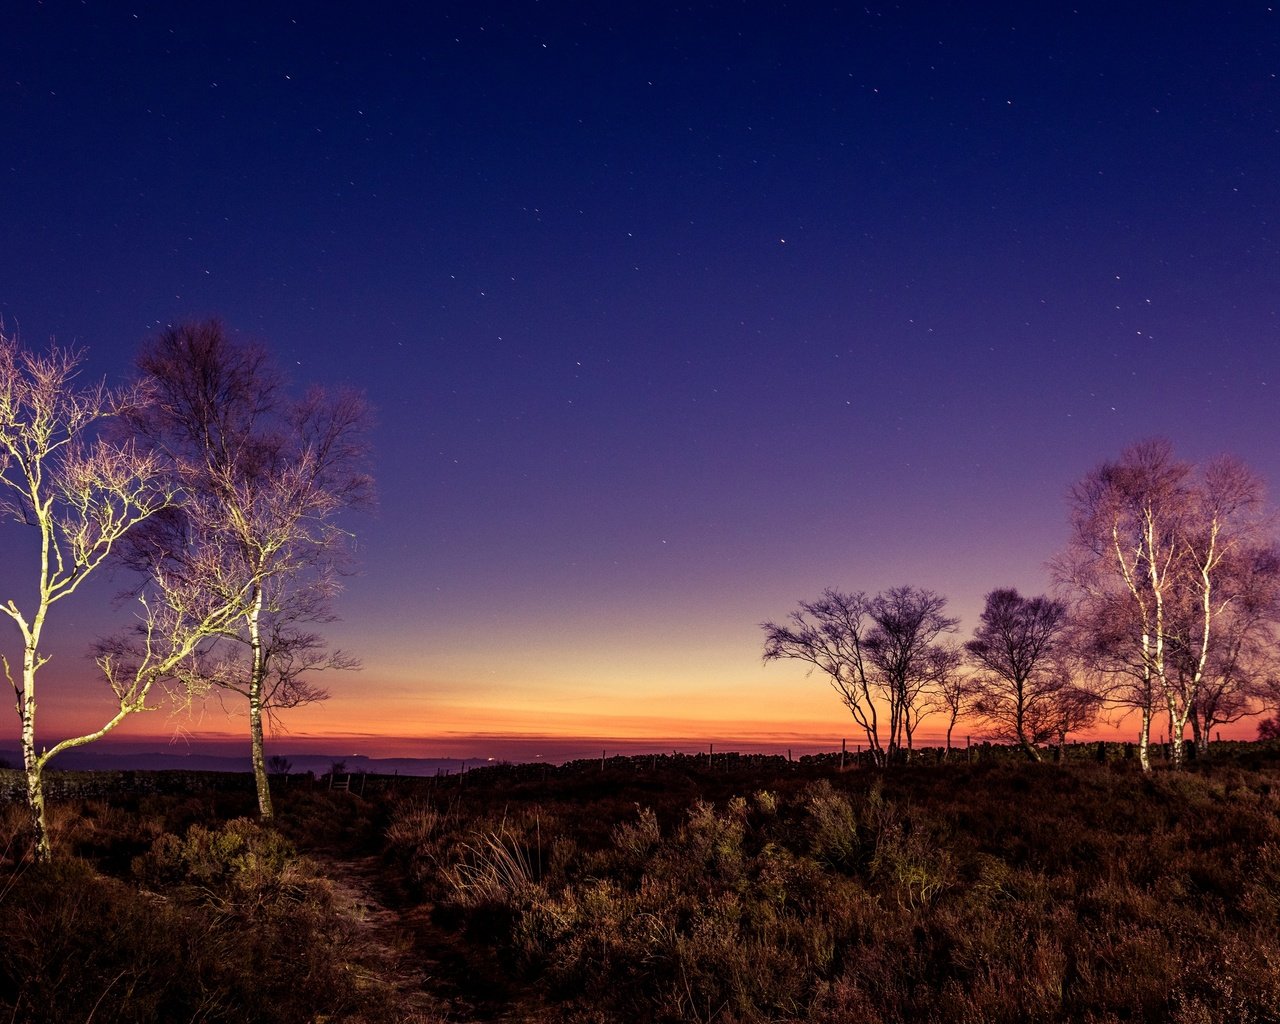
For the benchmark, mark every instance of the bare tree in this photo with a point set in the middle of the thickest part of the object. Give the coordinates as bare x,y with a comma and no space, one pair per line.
906,657
1243,657
874,651
82,493
1268,693
1101,642
1014,649
1232,590
1145,566
828,634
265,479
953,690
1074,708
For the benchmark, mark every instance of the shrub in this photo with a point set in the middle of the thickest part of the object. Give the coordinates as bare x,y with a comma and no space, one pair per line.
711,841
239,860
833,827
634,841
995,892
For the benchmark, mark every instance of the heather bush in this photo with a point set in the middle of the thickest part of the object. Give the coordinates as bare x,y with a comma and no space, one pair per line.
833,827
635,841
239,854
79,946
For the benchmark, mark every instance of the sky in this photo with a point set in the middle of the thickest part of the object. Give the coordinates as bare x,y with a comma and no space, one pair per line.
671,316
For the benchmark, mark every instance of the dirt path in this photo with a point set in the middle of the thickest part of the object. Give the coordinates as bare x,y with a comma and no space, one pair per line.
427,971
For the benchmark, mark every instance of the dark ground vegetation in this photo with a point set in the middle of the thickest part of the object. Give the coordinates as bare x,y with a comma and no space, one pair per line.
666,890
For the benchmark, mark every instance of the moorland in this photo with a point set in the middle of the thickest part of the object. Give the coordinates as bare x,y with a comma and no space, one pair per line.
747,889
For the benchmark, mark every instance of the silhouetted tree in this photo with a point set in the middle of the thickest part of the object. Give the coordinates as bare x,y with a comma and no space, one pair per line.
1014,649
907,659
265,478
1073,708
828,634
279,765
953,690
882,649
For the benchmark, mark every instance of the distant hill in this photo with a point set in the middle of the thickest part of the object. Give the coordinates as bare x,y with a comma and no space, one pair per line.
88,759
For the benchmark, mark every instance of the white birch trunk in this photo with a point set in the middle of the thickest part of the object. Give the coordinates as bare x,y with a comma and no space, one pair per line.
1144,740
31,763
257,673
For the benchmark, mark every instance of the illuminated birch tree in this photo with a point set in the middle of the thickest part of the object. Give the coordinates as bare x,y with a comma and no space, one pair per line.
1148,567
79,493
266,478
1243,658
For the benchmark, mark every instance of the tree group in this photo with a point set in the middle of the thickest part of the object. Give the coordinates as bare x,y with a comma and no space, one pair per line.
1169,598
216,488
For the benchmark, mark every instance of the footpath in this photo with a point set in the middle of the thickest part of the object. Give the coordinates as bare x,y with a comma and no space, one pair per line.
424,970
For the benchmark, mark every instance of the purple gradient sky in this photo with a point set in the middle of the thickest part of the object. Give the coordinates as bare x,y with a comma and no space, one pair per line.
671,318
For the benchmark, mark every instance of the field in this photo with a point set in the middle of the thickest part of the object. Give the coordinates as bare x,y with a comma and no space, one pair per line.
747,890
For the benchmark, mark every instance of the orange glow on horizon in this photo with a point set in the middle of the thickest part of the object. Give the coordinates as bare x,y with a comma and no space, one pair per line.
734,703
461,730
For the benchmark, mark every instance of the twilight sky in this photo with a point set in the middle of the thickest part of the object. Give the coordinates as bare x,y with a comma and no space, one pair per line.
671,316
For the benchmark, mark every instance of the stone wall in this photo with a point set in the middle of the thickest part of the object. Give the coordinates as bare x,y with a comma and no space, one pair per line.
79,785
